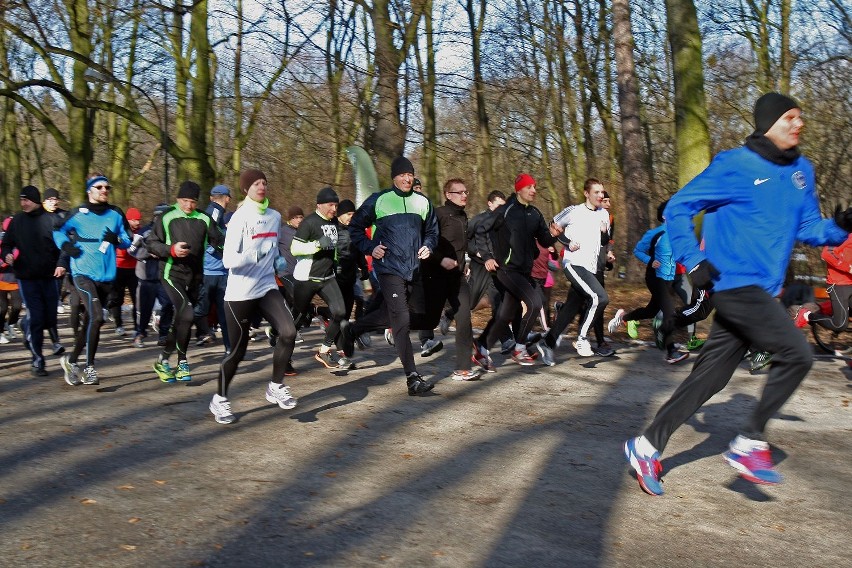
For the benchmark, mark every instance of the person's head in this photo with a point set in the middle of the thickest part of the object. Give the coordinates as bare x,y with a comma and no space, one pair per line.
417,186
253,183
50,200
606,203
456,192
97,188
187,196
594,191
134,218
402,172
778,118
327,201
345,211
295,216
495,199
221,195
30,198
525,188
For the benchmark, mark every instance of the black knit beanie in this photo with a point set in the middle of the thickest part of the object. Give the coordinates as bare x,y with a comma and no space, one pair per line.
769,108
401,165
327,195
32,193
346,206
189,190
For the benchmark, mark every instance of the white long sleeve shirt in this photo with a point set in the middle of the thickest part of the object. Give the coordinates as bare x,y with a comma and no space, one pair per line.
251,246
583,226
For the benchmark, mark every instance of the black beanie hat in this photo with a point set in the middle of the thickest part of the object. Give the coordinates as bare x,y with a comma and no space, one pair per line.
661,208
401,165
50,192
32,193
327,195
346,206
248,177
189,190
769,108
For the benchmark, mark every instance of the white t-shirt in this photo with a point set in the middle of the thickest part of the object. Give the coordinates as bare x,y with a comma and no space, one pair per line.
252,232
583,226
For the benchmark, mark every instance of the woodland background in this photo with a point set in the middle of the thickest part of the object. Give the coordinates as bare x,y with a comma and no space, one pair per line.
638,94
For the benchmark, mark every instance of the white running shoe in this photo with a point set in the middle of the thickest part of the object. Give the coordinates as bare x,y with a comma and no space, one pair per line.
90,376
583,347
280,395
221,409
71,371
3,339
616,321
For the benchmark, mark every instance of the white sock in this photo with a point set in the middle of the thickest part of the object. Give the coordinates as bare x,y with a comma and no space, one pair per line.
745,445
644,447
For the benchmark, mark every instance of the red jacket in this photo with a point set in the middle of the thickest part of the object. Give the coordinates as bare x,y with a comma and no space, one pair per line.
839,260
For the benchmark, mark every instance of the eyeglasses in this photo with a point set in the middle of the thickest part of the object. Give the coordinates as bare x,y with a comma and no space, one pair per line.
459,192
106,187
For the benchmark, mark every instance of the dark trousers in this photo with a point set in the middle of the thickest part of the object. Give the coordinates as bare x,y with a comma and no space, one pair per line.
212,291
662,299
149,292
841,299
238,317
454,287
41,297
125,279
183,297
745,317
10,301
520,297
93,298
586,285
329,291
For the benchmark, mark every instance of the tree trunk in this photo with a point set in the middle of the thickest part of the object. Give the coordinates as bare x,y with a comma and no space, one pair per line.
484,156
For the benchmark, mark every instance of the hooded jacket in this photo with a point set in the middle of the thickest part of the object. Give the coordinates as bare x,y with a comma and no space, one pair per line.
514,229
32,234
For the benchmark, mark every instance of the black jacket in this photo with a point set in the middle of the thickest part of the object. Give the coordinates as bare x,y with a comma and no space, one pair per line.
513,229
452,238
32,234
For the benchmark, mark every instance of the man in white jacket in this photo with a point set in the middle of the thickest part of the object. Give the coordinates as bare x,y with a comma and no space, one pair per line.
251,247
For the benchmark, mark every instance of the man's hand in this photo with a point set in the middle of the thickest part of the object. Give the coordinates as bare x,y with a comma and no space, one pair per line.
843,218
449,263
573,246
656,264
110,237
180,250
325,243
59,272
71,249
424,253
702,275
379,251
10,259
491,265
610,256
555,230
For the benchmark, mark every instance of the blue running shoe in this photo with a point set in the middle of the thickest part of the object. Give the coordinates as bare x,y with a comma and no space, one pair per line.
182,373
755,464
648,470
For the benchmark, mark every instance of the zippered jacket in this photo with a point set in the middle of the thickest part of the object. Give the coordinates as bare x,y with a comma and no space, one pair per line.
85,226
195,229
514,229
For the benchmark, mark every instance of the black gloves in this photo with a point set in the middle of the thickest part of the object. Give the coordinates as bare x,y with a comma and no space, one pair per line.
71,249
702,275
843,218
325,242
110,237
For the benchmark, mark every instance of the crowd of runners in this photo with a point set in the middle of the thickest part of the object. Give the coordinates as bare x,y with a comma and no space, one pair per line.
397,263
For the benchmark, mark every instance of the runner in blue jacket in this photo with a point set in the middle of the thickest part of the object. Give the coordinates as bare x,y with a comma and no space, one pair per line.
759,199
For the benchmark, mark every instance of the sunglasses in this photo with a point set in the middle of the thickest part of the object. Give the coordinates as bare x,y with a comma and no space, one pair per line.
106,187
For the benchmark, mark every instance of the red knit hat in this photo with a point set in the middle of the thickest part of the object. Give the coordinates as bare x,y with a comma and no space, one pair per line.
133,214
523,180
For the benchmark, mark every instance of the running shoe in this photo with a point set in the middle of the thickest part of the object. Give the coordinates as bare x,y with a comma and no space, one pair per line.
546,354
328,359
507,346
676,356
659,336
431,346
583,347
417,384
521,357
633,329
344,363
119,331
3,339
470,375
364,341
182,373
164,371
280,394
221,409
38,370
205,339
482,358
389,336
753,460
138,342
604,350
695,344
616,321
801,319
299,338
648,468
759,360
11,331
70,370
90,376
58,349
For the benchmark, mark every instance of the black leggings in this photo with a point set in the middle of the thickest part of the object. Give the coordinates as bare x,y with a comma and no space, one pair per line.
10,301
329,291
520,297
93,296
662,299
238,316
841,298
183,298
